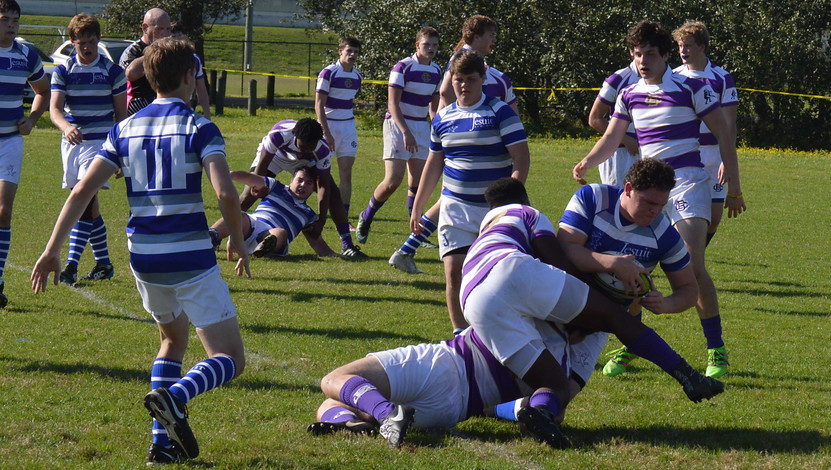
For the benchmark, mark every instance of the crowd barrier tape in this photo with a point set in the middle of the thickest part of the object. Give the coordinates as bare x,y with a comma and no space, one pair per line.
551,96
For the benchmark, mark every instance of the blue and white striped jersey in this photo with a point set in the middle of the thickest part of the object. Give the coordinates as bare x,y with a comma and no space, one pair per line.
161,150
18,64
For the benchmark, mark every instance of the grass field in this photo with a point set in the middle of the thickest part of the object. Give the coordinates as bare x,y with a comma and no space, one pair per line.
75,361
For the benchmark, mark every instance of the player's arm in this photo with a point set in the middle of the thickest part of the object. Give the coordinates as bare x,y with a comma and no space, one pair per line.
252,180
717,123
324,185
217,170
598,120
320,112
684,293
119,106
434,106
318,244
585,260
56,115
521,157
39,105
430,175
394,99
602,150
135,70
75,205
446,93
202,97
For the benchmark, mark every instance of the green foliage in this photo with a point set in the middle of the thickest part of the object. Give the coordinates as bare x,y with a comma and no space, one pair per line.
777,46
124,16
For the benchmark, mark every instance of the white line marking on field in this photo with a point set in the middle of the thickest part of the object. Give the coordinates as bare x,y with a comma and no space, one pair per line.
89,295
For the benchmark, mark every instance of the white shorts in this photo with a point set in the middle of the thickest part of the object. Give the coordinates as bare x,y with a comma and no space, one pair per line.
711,158
520,289
690,197
584,354
394,148
613,170
205,299
279,164
76,161
11,158
257,228
431,379
458,224
346,138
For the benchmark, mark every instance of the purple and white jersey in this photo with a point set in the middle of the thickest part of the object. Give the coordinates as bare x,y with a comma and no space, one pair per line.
420,83
280,143
89,91
505,230
667,117
18,64
594,210
613,84
489,382
280,209
475,143
497,84
341,87
161,150
722,83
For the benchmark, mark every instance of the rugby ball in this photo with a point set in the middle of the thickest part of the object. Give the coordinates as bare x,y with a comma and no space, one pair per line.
617,288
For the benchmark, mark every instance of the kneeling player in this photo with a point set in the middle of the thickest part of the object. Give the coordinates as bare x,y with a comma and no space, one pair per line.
279,217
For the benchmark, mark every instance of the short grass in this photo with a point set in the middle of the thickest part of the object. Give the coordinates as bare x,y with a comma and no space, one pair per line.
75,361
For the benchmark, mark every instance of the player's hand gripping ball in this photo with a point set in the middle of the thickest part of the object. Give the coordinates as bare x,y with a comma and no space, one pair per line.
617,288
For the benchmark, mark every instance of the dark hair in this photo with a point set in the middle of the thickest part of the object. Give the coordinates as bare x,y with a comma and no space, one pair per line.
310,171
651,173
506,191
349,41
308,130
467,62
426,32
82,25
9,6
166,61
651,33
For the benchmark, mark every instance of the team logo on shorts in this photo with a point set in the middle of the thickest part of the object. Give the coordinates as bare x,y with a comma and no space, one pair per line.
354,144
681,205
718,187
444,240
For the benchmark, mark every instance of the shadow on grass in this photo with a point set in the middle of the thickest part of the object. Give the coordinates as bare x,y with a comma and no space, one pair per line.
718,438
346,334
791,312
127,375
775,293
721,438
310,296
262,384
418,284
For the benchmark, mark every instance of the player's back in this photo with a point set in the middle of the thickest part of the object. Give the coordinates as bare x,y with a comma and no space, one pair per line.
160,149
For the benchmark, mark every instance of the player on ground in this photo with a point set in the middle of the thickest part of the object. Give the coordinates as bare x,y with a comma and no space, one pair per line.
279,217
290,145
666,109
478,35
514,277
475,141
432,386
162,150
693,41
337,85
88,92
154,26
613,170
18,64
413,95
